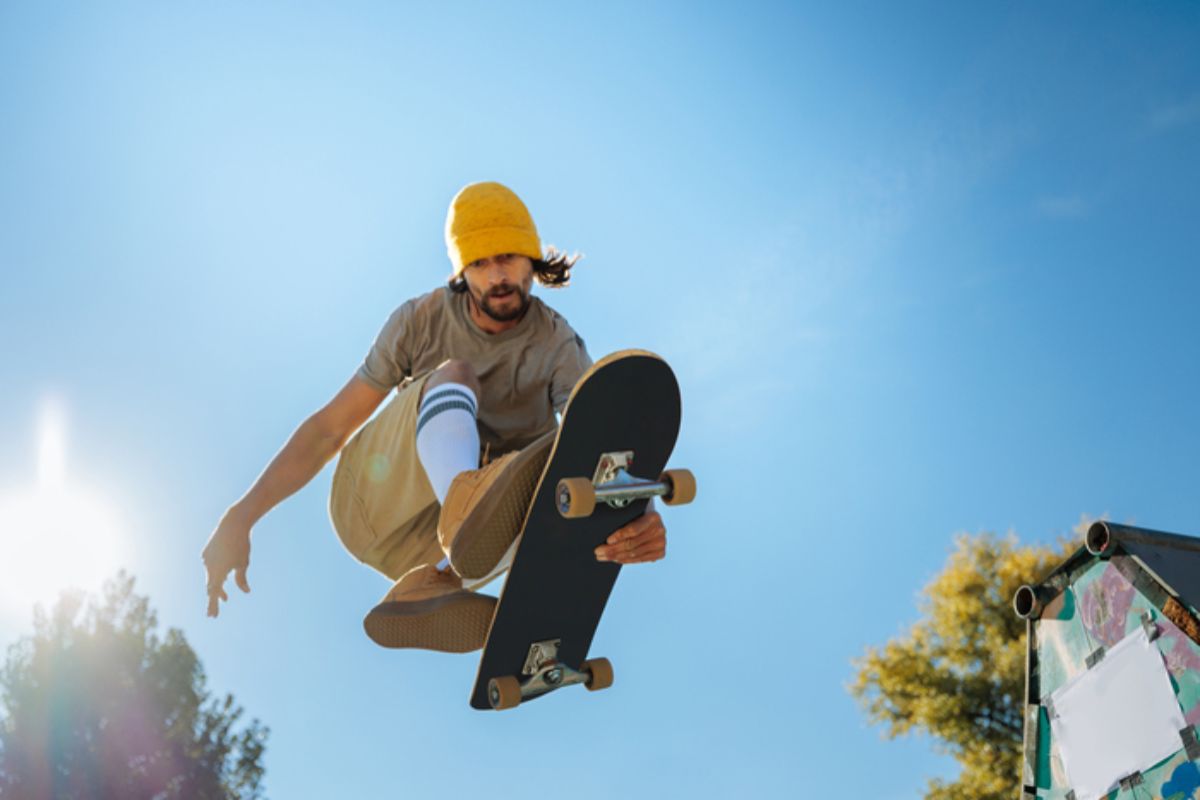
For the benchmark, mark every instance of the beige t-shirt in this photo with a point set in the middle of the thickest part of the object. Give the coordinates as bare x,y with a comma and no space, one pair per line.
526,373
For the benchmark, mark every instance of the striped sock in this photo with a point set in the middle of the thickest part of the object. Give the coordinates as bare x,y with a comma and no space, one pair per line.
447,438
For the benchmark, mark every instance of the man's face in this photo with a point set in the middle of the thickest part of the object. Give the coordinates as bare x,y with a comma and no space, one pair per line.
499,285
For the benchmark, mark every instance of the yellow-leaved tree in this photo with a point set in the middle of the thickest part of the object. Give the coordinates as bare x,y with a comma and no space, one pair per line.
958,674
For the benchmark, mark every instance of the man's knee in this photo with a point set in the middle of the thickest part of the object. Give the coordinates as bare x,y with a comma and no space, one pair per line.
454,371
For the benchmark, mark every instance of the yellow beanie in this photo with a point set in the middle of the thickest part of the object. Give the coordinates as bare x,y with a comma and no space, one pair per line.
487,219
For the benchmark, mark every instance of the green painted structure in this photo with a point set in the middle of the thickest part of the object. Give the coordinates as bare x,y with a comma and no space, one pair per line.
1123,581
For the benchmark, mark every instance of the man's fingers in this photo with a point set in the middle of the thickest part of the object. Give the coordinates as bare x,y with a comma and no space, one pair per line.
641,556
643,539
215,594
227,551
650,551
639,527
651,548
639,549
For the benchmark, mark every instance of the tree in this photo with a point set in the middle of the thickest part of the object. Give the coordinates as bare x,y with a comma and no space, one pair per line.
98,706
958,674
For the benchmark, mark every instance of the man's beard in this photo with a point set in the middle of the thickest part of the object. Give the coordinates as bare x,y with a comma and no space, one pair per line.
504,316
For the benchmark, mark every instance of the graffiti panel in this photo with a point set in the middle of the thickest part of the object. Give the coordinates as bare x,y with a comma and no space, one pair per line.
1099,609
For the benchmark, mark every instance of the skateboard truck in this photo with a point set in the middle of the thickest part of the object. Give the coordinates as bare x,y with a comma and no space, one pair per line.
543,673
613,484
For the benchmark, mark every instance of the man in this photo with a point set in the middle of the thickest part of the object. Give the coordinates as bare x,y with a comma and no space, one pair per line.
480,367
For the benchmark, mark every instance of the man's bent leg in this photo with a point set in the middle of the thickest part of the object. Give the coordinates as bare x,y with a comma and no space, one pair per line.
481,514
386,512
482,509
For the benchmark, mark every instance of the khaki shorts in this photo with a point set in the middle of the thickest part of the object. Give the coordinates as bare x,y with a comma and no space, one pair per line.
381,504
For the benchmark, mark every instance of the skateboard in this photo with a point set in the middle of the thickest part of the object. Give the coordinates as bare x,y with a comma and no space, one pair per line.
620,422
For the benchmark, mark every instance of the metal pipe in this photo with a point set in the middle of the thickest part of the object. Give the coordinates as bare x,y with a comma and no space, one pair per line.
1026,603
1103,537
1098,540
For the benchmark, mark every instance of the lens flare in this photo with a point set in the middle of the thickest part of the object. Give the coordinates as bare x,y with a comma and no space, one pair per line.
52,445
56,534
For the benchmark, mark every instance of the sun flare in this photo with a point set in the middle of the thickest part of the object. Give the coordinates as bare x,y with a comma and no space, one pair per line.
55,534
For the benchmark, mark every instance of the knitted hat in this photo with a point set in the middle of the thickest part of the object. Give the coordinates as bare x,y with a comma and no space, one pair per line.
487,219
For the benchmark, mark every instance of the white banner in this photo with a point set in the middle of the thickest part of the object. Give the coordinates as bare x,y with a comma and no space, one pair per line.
1119,717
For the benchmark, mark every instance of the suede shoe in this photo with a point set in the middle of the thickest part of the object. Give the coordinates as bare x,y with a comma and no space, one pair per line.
428,609
485,508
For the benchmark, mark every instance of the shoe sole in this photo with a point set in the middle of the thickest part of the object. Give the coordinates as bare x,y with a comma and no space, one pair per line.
502,566
497,519
455,624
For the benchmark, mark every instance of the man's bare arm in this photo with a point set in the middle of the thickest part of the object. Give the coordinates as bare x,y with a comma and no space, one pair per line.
315,442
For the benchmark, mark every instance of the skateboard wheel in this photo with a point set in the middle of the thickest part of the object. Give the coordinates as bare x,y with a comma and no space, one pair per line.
600,674
504,692
576,497
683,486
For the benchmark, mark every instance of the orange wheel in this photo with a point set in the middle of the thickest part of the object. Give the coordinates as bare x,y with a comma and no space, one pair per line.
600,674
504,692
576,497
683,486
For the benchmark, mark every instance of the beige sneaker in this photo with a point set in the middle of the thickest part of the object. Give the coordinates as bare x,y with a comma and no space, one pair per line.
429,609
485,508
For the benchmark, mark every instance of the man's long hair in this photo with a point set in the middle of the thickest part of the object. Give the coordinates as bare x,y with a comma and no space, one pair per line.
553,271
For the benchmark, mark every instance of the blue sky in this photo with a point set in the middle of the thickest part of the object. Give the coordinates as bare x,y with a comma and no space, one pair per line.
921,269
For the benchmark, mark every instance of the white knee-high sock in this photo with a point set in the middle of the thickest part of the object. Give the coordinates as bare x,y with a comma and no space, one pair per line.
447,438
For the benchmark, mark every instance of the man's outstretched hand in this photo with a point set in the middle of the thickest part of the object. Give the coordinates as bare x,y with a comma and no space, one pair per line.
228,550
644,539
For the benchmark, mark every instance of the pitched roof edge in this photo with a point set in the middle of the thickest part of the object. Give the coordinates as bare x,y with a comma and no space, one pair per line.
1103,537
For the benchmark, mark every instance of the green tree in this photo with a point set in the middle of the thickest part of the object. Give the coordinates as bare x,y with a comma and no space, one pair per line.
96,705
958,674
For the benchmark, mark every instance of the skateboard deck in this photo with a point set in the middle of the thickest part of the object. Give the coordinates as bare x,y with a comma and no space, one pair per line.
618,429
